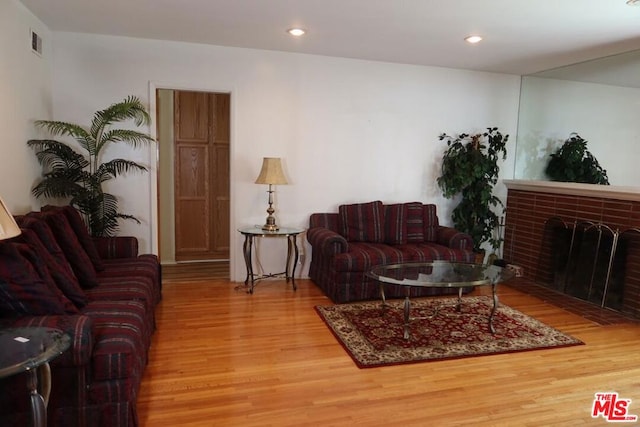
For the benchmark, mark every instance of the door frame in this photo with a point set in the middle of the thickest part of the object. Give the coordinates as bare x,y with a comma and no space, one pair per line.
154,156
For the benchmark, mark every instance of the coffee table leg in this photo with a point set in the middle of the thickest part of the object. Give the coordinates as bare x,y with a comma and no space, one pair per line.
382,295
407,312
459,304
493,310
38,404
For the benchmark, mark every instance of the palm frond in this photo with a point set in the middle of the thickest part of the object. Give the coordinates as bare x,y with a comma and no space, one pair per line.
104,219
116,167
131,108
55,187
73,176
62,128
127,216
131,137
54,155
80,134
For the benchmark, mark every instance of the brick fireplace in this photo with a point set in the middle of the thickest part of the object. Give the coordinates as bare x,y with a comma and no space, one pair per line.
536,210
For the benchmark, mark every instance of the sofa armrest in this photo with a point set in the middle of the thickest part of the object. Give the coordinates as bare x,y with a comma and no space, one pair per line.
326,241
116,247
454,239
78,327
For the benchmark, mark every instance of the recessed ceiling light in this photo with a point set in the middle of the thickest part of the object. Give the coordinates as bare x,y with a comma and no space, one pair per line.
473,39
296,32
633,2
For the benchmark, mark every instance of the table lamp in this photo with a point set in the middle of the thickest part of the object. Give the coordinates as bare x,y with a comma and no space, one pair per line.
8,226
271,174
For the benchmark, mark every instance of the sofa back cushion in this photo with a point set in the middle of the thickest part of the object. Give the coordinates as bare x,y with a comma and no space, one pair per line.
22,291
73,250
40,267
82,233
362,222
430,223
60,272
34,222
395,224
415,222
324,220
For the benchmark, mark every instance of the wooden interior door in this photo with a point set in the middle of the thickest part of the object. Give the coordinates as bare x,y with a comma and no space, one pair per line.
201,168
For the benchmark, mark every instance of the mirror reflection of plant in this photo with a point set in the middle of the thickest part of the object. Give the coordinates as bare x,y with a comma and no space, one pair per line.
572,162
470,168
79,177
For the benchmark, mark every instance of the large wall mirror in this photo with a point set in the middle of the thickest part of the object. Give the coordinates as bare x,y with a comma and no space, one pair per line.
599,100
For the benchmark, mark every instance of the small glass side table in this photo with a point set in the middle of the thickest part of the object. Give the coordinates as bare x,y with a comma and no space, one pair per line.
30,349
289,272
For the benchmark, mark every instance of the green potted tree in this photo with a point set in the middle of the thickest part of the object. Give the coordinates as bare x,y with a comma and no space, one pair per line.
572,162
78,176
470,168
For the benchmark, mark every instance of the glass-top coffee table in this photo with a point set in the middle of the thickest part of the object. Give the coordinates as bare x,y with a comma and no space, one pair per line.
440,274
30,349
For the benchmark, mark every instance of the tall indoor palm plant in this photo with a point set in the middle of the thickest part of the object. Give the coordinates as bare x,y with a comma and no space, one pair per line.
79,176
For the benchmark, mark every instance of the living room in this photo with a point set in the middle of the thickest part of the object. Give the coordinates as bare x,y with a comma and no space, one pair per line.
347,130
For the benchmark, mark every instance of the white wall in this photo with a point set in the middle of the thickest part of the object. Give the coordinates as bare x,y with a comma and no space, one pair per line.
347,130
606,116
25,96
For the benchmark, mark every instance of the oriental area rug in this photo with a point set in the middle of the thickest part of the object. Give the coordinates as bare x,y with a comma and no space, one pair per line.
373,334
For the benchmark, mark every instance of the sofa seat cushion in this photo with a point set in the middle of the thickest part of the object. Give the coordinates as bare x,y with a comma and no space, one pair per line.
119,336
145,266
426,252
363,256
127,289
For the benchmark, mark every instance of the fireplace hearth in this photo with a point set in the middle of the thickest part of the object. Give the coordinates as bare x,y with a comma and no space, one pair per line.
578,240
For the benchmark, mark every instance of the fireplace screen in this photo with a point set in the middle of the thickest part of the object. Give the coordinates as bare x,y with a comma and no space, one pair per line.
586,260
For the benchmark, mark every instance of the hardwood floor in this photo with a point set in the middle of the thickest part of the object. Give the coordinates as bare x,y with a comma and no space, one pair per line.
222,357
195,271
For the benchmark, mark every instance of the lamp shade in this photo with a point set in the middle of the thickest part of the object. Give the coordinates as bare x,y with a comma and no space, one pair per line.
8,226
271,172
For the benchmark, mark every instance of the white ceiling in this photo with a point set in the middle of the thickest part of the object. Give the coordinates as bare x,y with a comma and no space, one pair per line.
521,37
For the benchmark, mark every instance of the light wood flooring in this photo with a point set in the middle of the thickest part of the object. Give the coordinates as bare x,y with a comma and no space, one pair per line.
195,271
222,357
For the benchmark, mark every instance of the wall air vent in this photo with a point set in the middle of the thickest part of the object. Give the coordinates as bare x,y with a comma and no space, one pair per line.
36,43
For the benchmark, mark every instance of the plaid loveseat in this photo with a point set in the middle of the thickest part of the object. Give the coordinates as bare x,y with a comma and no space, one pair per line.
345,245
97,290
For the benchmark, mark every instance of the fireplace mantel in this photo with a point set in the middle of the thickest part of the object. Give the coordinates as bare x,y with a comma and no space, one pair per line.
614,192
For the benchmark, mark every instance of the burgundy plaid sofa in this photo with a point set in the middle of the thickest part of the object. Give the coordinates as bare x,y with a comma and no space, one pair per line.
345,245
97,290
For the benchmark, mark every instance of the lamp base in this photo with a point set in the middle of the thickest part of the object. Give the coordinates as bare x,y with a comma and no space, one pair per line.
270,227
270,224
